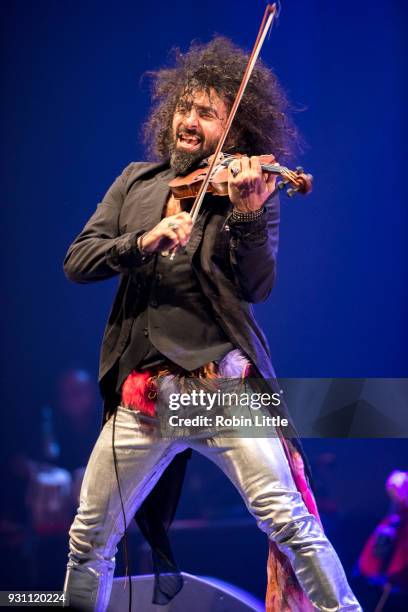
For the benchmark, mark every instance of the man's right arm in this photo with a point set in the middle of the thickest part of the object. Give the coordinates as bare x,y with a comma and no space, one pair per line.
100,252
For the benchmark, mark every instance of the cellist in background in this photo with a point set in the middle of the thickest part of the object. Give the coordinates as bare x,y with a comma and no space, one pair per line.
384,559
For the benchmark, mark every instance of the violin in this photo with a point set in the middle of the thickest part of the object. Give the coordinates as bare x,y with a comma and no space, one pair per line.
183,187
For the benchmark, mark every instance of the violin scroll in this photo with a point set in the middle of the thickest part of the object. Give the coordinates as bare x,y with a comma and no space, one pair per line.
299,181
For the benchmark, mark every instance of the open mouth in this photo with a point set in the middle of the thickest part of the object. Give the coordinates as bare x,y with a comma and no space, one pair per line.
189,142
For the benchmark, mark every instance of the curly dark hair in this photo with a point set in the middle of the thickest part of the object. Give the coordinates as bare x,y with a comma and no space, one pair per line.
262,123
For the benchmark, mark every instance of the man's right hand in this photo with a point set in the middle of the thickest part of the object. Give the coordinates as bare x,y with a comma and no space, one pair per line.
170,233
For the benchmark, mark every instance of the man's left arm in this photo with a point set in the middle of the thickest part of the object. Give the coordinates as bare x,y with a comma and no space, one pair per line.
253,251
254,227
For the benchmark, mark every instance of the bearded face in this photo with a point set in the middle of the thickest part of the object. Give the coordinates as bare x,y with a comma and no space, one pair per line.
198,124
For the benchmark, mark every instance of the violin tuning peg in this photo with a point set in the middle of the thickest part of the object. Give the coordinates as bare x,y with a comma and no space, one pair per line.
299,170
291,192
281,185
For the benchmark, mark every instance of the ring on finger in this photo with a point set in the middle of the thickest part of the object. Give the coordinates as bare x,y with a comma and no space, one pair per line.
172,225
235,168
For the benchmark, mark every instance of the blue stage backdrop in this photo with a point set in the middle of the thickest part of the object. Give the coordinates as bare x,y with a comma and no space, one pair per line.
74,98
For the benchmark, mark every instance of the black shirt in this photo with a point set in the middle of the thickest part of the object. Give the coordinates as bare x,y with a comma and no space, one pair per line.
176,322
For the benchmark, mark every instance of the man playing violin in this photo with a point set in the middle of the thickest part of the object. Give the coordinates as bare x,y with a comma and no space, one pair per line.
183,312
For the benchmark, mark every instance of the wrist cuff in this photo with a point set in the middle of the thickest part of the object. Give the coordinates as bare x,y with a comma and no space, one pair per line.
247,216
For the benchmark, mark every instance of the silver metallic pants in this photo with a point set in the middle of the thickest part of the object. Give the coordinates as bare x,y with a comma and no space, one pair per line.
256,466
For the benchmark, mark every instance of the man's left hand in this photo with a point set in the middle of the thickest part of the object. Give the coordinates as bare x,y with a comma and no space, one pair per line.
248,186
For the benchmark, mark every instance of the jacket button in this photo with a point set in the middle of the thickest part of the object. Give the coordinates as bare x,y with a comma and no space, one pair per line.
158,277
153,303
145,332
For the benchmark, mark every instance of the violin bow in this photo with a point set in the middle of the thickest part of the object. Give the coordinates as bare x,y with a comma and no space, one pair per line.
266,24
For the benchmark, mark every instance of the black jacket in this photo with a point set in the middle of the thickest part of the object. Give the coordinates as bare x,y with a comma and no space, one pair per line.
235,262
